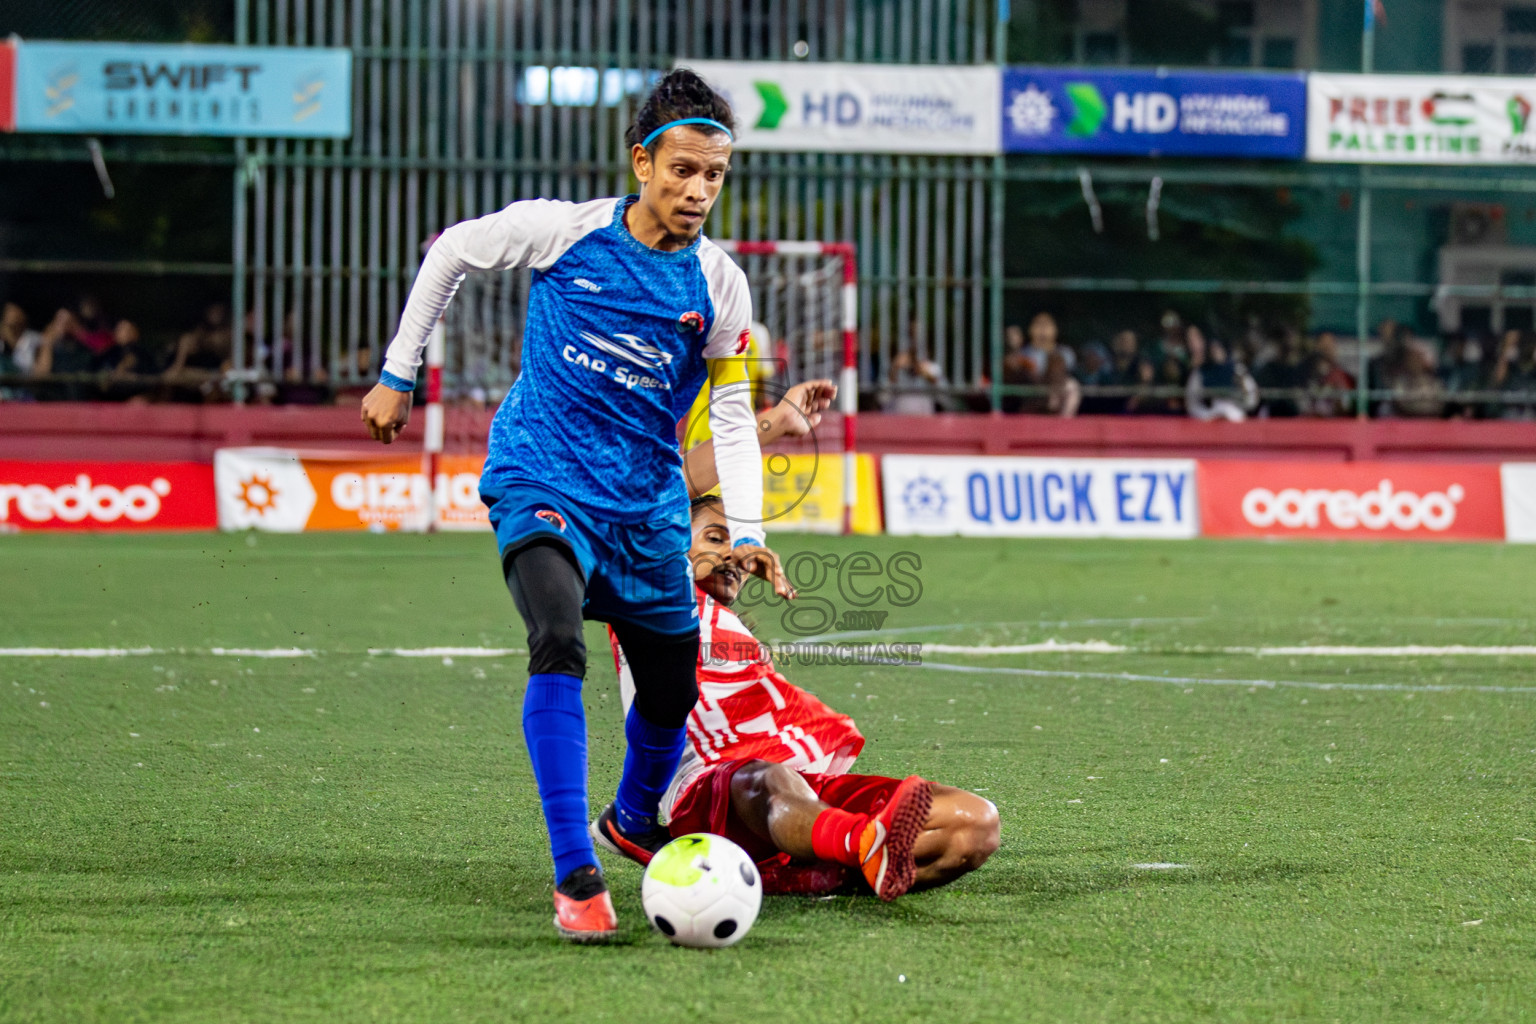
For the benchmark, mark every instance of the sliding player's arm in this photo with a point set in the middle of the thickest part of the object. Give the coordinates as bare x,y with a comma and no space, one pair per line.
522,235
796,415
739,466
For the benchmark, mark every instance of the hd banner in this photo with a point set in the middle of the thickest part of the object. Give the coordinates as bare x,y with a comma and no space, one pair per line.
858,108
1420,119
1151,113
152,89
986,496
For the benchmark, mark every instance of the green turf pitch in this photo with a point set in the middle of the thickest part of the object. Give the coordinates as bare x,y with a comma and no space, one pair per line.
344,837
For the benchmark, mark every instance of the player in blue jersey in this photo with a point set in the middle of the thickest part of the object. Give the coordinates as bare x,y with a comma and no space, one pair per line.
631,310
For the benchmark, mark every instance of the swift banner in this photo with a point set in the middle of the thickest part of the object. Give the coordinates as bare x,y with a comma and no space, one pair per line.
1420,119
1145,113
1356,500
106,496
858,108
981,496
152,89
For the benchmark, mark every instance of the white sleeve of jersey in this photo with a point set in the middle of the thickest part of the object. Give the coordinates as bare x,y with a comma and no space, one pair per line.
738,458
532,233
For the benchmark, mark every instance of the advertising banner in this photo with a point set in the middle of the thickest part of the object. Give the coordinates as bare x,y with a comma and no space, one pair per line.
1152,113
281,490
805,493
106,496
284,491
859,108
1519,486
1358,500
1420,119
980,496
153,89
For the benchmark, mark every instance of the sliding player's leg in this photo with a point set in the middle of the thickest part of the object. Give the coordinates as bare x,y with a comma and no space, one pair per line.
960,834
548,587
863,821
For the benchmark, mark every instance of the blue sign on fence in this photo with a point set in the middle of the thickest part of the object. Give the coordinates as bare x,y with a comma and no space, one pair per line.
145,89
1144,113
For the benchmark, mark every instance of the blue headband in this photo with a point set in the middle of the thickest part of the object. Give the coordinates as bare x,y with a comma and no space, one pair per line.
707,122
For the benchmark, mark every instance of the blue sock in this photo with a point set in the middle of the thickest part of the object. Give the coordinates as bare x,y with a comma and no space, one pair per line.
555,729
649,764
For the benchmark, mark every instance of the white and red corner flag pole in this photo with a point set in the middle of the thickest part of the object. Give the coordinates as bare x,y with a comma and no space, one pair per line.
848,387
432,438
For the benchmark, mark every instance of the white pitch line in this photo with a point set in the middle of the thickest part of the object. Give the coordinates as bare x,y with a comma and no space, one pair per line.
75,652
259,652
1043,647
255,652
1318,650
1128,677
854,634
445,652
1159,866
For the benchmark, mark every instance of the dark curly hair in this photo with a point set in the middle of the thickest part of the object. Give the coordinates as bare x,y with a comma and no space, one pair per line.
680,93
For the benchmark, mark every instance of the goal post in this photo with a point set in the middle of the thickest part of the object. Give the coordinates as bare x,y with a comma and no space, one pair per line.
808,289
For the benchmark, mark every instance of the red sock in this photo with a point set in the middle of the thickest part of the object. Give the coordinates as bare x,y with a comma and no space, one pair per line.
835,835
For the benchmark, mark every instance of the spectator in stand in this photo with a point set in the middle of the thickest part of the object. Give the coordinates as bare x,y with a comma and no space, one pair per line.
1416,390
1330,388
1391,343
1514,373
1171,343
1125,368
88,325
1461,370
1217,388
125,366
918,386
1142,402
203,357
1044,339
1284,375
1018,371
1096,369
23,353
1065,394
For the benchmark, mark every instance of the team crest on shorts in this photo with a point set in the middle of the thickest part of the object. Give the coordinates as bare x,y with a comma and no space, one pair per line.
691,322
552,517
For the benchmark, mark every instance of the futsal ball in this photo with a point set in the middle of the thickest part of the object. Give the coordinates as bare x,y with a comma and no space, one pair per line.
702,890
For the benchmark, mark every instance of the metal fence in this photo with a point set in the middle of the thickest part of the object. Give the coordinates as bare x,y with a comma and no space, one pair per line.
462,107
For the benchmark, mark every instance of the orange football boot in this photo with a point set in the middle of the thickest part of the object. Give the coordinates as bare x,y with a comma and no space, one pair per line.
583,910
885,846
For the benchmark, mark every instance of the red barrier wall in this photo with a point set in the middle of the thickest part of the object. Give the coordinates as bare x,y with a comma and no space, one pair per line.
171,432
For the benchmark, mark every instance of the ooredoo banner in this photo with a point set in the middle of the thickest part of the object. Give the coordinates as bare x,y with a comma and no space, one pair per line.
1357,500
106,496
982,496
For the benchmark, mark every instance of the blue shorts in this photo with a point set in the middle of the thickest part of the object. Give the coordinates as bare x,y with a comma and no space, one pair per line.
635,573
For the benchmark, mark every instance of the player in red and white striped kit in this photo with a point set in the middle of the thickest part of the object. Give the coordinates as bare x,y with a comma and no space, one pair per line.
767,767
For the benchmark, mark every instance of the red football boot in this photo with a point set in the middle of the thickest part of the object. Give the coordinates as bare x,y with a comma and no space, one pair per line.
583,911
885,847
